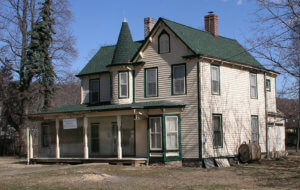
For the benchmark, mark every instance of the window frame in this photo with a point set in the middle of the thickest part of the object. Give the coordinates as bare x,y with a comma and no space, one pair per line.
221,131
95,138
211,79
145,82
155,133
173,79
268,81
90,92
119,85
256,89
257,134
177,132
46,134
159,49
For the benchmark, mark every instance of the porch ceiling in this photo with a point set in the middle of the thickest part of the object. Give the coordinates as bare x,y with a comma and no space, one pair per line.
99,108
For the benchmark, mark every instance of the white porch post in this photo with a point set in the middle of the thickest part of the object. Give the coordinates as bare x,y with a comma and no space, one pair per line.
119,137
57,138
85,143
28,146
31,145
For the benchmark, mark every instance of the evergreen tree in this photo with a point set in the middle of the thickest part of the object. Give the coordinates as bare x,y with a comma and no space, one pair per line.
39,63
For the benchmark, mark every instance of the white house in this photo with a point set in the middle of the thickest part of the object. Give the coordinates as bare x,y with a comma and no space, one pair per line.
181,94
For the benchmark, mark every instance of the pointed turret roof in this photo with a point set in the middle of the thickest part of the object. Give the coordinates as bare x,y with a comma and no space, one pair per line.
125,47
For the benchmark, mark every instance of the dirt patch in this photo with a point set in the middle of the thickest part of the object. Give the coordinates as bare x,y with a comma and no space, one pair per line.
100,177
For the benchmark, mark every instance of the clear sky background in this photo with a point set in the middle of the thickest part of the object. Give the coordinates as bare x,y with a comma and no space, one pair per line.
98,22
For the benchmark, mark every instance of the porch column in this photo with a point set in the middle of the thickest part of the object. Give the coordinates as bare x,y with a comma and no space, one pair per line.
57,138
119,137
28,146
85,142
31,145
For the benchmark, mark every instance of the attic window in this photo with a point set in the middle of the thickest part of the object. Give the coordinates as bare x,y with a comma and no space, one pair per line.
164,42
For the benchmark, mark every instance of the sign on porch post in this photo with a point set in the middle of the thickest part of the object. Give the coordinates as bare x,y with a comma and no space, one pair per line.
119,137
70,123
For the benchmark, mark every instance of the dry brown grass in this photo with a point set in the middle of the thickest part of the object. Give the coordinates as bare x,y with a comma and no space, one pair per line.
268,174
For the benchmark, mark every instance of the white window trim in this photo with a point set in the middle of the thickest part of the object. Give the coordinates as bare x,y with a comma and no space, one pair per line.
184,79
150,133
146,83
257,132
167,148
219,81
255,85
120,84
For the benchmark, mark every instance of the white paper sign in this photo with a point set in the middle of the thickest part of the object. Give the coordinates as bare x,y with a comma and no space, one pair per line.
70,123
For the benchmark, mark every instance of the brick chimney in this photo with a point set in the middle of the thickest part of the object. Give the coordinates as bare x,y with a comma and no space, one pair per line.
148,25
211,23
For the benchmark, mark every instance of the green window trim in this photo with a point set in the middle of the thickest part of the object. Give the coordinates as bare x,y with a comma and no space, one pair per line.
90,91
256,91
159,49
268,85
211,79
220,145
257,120
172,79
145,82
164,151
119,86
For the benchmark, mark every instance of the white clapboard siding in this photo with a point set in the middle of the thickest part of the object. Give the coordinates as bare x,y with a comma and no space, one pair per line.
271,96
105,87
236,108
189,117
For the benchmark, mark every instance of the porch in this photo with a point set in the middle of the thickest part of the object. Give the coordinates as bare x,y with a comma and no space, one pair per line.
107,135
125,161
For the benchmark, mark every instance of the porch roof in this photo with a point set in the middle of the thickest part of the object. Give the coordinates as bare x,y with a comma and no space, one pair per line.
94,108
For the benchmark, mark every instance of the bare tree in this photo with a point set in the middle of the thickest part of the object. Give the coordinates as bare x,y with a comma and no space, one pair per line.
17,17
278,41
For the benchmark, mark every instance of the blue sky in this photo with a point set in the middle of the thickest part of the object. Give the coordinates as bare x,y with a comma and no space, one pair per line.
98,22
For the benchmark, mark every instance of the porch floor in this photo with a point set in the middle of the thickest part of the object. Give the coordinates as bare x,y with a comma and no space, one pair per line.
131,161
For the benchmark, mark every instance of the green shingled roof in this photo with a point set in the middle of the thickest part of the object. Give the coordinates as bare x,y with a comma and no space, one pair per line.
200,42
85,108
103,58
125,47
204,43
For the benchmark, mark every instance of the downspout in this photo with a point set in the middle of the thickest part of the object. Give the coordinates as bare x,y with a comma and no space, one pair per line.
266,113
199,110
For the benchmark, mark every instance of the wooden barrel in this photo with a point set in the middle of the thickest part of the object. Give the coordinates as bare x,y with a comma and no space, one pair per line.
249,152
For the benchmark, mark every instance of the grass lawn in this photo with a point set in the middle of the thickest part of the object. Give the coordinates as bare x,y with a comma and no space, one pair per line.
268,174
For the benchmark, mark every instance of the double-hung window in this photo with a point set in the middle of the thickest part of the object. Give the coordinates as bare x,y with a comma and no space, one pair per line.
268,85
218,130
94,91
45,135
254,129
155,133
253,85
178,79
215,79
151,82
171,132
123,84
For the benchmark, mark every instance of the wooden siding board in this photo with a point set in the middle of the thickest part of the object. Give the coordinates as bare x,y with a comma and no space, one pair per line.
189,117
